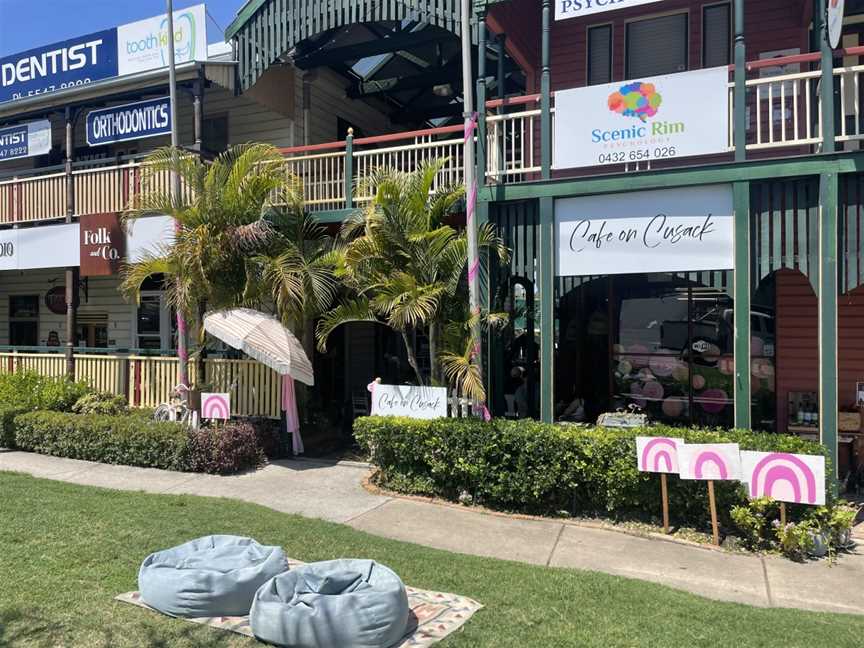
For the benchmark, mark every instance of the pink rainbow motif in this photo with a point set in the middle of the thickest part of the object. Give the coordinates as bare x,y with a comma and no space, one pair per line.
778,468
660,448
215,406
711,457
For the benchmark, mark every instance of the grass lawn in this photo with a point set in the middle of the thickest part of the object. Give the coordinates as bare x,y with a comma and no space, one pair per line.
66,551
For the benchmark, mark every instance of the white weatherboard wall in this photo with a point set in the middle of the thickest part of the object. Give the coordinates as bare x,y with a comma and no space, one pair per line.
103,297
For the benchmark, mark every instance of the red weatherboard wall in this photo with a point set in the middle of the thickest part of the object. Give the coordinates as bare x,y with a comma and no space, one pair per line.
768,25
797,341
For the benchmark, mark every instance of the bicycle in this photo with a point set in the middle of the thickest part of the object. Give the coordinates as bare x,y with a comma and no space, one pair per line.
177,409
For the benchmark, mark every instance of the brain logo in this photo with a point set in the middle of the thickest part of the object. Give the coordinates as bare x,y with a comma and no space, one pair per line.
638,99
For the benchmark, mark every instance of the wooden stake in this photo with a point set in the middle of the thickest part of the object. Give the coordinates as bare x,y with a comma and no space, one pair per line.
782,515
665,495
712,504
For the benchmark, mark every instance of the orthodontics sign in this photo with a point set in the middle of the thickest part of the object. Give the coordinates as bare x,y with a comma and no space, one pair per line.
688,229
129,121
662,117
135,47
578,8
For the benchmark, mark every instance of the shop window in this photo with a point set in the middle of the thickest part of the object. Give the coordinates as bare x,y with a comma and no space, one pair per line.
93,330
656,46
716,35
155,328
599,54
24,320
214,134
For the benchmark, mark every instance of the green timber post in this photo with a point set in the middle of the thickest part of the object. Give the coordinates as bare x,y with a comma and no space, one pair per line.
349,169
546,281
741,205
828,397
828,236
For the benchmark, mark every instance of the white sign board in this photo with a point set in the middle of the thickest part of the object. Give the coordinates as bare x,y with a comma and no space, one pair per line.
578,8
148,236
666,230
836,8
143,45
657,454
52,246
710,461
655,118
410,401
799,479
216,407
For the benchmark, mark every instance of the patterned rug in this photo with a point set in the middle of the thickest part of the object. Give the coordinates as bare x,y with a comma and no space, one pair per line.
434,616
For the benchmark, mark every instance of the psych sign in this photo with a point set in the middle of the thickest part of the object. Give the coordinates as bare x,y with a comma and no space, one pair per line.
577,8
410,401
103,245
25,140
655,118
135,47
667,230
129,121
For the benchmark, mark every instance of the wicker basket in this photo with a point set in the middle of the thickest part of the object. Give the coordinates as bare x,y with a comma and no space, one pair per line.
849,421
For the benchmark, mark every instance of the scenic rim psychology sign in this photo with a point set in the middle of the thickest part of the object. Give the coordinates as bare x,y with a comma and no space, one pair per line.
663,230
130,48
710,461
409,400
799,479
130,121
578,8
835,10
25,140
655,118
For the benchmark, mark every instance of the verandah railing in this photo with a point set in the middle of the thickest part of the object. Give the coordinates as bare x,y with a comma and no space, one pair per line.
784,114
148,381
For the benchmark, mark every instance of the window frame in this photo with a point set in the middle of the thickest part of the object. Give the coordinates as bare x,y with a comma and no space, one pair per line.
664,14
728,6
588,28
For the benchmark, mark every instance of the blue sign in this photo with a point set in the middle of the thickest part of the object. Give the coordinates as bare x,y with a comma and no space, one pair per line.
129,121
67,64
25,140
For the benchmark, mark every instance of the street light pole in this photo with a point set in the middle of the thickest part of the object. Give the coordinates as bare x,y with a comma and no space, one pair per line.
182,338
471,190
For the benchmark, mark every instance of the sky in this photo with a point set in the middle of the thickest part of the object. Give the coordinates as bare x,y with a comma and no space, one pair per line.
25,24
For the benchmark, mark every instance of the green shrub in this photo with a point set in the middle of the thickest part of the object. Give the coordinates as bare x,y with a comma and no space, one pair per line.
28,390
101,403
539,468
7,426
107,439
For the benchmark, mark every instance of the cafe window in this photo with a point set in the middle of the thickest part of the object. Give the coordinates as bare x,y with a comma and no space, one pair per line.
24,320
716,35
155,324
599,54
656,46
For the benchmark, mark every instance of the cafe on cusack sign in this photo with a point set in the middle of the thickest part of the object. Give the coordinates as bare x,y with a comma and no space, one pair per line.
410,401
666,230
652,118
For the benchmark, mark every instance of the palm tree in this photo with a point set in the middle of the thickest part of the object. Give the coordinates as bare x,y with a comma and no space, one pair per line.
401,263
222,221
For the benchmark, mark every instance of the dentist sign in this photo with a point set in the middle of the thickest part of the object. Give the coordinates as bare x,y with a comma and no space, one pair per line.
131,48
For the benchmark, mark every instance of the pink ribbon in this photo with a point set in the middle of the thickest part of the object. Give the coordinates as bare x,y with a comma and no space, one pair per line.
470,126
475,268
472,202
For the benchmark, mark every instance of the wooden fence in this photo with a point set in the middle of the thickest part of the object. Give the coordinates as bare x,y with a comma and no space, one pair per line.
148,381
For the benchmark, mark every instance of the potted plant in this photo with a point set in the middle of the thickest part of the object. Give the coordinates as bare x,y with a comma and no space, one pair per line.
840,522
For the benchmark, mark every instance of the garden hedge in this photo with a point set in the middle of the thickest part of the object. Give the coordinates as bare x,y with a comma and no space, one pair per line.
7,426
136,440
538,468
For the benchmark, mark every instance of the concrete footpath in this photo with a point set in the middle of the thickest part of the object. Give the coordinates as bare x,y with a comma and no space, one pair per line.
333,491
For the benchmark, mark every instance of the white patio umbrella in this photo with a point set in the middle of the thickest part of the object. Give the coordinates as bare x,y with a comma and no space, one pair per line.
262,337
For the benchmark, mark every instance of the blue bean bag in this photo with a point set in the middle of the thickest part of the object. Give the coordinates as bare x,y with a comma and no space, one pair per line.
213,576
338,603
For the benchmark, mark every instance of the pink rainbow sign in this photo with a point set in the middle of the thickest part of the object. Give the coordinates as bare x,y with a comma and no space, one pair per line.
799,479
216,406
710,461
657,454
